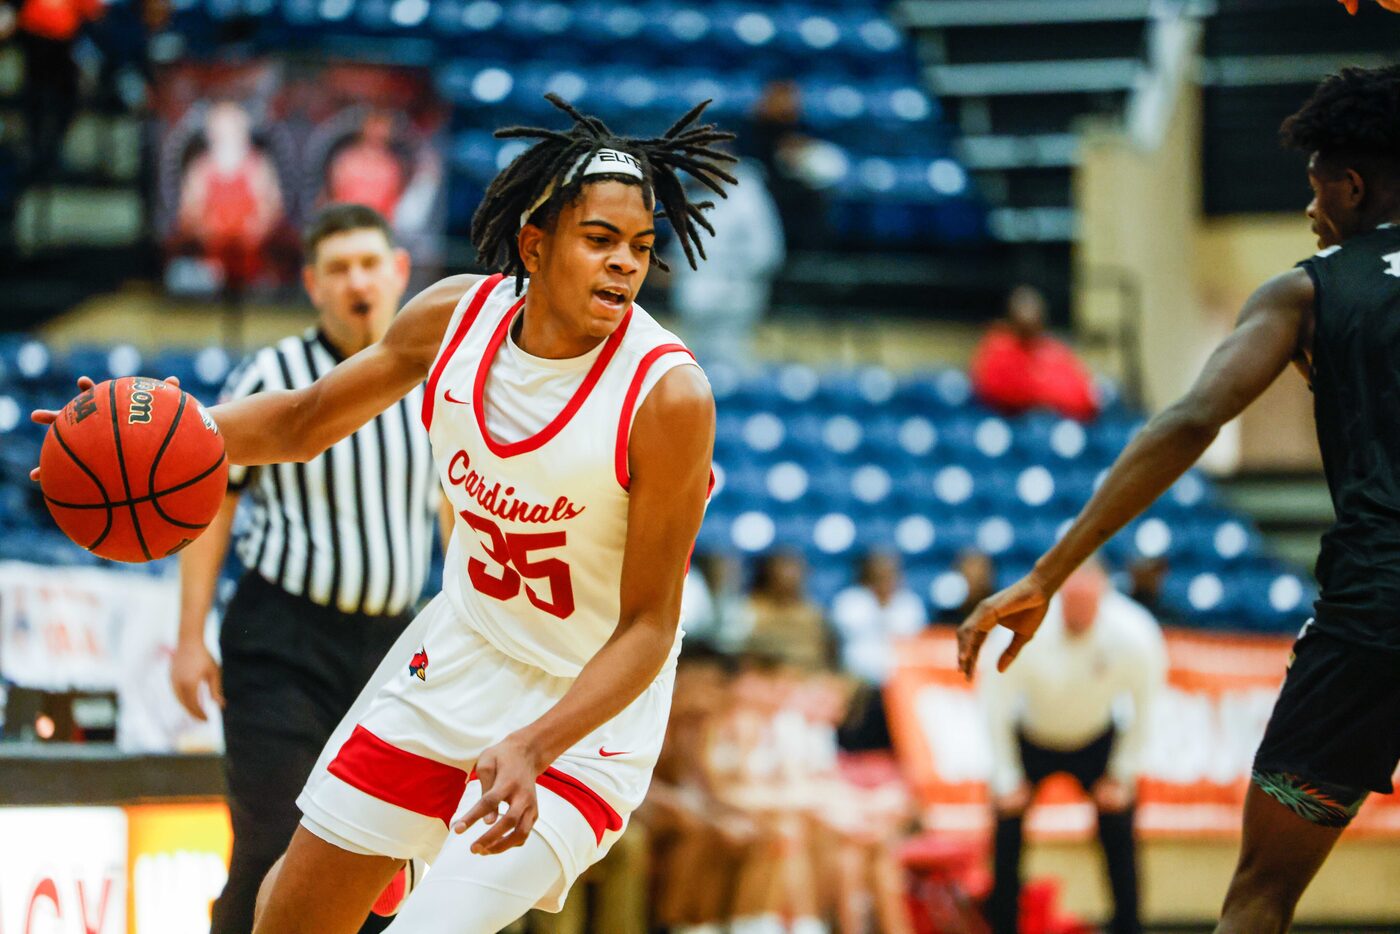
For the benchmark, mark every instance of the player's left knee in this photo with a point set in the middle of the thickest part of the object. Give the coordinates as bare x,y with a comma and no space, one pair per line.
1321,803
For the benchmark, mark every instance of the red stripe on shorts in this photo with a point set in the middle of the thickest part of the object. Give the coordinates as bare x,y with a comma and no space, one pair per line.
397,776
434,789
599,814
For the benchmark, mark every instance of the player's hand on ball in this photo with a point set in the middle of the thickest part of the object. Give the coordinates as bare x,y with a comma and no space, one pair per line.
49,416
1020,608
192,666
507,772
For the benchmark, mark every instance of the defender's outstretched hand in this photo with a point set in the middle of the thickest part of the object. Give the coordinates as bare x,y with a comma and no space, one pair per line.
49,416
1020,608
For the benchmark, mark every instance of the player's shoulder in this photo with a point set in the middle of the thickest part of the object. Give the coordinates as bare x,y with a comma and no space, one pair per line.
447,292
1384,239
645,333
648,339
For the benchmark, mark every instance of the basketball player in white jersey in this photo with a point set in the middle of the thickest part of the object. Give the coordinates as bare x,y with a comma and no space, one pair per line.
573,436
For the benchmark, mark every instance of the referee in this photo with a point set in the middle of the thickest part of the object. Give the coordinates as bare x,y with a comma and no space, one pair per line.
336,555
1057,710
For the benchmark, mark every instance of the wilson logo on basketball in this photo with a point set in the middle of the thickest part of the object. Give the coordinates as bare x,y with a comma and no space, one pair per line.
418,665
140,402
83,406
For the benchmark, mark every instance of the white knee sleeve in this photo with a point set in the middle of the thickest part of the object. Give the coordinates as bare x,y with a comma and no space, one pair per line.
467,893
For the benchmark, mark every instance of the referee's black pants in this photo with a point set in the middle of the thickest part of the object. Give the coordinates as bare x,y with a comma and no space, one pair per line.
1087,765
291,669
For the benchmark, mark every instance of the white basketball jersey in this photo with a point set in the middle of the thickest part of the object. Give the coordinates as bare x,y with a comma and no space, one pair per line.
535,562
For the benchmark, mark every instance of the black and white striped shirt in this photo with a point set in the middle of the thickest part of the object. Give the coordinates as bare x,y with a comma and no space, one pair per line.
352,528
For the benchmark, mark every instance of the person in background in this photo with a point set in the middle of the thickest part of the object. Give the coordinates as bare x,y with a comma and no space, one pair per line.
46,30
1146,578
1018,367
979,572
785,623
230,197
775,138
705,851
721,620
720,302
335,564
869,619
368,170
1054,712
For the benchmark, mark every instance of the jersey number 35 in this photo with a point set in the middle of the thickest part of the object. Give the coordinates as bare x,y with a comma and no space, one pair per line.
511,550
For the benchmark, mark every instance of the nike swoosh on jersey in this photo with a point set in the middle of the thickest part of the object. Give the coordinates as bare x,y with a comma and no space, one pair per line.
447,394
608,755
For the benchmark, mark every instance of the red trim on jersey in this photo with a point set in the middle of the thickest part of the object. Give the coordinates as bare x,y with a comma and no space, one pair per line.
599,814
629,405
483,289
595,373
413,782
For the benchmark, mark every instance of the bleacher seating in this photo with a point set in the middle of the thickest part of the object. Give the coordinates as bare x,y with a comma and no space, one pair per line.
889,168
828,464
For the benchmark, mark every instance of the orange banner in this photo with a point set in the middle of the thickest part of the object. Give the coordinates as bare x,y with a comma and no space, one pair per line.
1200,746
177,854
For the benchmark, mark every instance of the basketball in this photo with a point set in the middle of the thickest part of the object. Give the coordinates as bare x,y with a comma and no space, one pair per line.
133,469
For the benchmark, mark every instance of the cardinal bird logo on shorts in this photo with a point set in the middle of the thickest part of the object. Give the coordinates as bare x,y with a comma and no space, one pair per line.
418,665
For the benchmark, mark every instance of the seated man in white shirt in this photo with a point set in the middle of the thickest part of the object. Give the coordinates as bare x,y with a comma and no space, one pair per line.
1055,712
870,618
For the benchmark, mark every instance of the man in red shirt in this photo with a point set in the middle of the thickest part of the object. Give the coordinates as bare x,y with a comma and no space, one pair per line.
1018,367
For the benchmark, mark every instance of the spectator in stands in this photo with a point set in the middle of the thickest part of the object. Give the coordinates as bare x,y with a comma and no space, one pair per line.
46,31
722,618
784,622
230,196
773,756
388,170
1018,367
979,573
1146,577
720,303
870,618
367,168
762,756
776,139
323,599
702,847
1053,711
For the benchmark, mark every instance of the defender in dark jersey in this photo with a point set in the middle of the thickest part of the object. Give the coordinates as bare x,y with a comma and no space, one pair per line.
1335,732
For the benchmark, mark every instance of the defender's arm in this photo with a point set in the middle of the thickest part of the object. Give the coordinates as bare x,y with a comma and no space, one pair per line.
1273,329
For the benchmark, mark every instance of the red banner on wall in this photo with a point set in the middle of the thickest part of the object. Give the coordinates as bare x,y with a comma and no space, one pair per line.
1200,745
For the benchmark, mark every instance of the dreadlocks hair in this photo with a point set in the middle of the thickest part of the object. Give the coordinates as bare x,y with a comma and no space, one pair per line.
1353,116
685,146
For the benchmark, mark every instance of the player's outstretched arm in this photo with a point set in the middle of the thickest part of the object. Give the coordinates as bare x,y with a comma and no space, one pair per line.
670,447
296,425
1273,329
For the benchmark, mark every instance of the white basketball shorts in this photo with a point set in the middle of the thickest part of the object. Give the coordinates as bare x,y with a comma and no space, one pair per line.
400,765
